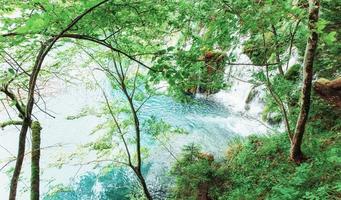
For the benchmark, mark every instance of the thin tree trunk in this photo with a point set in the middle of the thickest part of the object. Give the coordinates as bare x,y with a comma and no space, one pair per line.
143,184
296,154
20,159
275,96
26,123
138,168
279,102
35,158
292,38
278,58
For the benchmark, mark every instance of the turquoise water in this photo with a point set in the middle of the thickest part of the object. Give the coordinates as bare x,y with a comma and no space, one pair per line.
207,124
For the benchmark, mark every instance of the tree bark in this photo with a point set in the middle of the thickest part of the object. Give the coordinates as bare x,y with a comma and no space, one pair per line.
20,159
35,158
143,184
138,168
296,154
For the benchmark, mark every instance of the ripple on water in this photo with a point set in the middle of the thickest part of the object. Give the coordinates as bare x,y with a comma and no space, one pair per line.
208,123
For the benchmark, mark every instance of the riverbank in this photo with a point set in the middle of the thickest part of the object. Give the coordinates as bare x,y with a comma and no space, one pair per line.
258,167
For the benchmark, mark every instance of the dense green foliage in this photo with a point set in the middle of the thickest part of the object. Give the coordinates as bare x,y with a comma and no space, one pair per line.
190,45
258,168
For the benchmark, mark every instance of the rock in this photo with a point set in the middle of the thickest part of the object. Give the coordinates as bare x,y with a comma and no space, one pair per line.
274,118
293,73
328,90
247,107
250,97
271,117
252,94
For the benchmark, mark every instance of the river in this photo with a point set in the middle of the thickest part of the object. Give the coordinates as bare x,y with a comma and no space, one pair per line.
210,122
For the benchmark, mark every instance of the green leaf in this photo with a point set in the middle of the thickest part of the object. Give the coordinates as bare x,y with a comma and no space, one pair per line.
330,38
11,71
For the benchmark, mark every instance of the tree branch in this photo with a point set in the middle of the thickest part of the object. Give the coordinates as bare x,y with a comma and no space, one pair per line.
9,123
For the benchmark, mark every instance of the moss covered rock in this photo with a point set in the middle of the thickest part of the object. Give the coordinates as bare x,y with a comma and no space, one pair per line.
293,73
328,90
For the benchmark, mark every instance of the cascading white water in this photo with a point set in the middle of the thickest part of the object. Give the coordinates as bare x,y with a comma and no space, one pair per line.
239,77
235,98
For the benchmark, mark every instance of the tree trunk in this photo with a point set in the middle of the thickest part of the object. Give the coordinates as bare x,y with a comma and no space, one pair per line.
20,159
35,158
138,152
296,154
143,184
203,191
